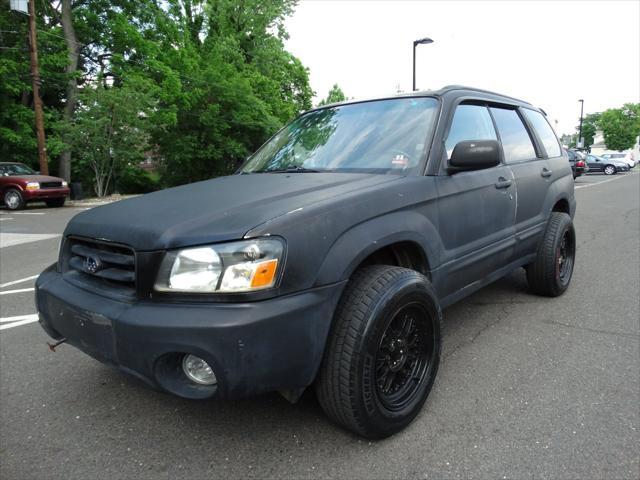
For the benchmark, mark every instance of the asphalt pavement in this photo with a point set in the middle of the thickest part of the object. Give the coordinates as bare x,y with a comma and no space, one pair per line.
529,387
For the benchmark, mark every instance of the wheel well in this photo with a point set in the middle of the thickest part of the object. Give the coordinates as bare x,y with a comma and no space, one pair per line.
561,206
402,254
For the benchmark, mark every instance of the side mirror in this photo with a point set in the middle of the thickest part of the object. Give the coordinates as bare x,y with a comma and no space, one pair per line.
474,155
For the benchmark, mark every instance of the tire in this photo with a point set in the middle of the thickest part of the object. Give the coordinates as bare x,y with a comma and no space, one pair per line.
551,271
383,351
55,202
13,199
609,170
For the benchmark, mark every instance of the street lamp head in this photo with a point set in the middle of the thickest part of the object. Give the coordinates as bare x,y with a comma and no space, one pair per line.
424,40
581,100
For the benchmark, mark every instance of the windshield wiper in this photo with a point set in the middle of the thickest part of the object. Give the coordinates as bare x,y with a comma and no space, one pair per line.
292,169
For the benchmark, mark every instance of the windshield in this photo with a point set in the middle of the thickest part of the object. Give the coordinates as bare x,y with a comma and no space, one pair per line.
16,169
385,136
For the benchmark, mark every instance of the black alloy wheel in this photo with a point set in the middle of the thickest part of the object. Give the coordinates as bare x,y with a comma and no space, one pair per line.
405,353
383,351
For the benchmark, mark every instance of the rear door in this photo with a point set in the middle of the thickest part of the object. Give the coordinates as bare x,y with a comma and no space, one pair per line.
532,176
476,208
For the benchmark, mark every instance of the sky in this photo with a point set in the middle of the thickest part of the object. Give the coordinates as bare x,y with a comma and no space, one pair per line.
549,53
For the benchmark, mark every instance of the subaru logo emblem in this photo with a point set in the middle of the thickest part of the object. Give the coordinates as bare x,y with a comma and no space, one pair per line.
91,264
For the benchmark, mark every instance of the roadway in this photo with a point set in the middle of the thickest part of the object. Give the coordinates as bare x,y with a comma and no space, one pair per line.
528,386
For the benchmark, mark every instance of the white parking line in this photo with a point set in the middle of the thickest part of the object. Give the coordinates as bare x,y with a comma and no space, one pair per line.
22,280
586,185
20,290
24,213
7,218
11,322
11,239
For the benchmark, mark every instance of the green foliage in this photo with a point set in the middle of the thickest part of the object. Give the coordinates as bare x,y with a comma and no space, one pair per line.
335,95
132,179
212,78
110,131
621,126
569,140
17,125
589,127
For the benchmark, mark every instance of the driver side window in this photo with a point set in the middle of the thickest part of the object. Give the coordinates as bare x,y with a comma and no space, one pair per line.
470,122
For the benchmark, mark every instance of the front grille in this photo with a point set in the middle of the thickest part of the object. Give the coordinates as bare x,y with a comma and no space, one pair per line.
50,184
102,266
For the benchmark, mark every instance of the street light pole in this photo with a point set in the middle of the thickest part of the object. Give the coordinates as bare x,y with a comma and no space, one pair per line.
580,143
425,41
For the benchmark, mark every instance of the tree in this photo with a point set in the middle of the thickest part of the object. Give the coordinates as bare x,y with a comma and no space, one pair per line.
73,56
17,124
110,129
335,95
220,77
621,126
569,140
589,128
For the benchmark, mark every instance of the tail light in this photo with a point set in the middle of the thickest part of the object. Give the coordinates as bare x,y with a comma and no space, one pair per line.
579,163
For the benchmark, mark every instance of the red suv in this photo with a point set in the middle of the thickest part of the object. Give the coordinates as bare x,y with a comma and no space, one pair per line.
19,184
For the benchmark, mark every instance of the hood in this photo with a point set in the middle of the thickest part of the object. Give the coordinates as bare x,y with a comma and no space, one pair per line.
215,210
35,178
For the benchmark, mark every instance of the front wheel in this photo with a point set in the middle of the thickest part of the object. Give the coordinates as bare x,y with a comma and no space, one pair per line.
609,170
551,271
13,199
383,352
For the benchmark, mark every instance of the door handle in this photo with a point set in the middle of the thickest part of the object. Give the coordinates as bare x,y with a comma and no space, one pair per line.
503,183
546,172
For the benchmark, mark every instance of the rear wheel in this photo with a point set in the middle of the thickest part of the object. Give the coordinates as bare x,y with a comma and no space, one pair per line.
55,202
383,352
550,273
13,199
609,170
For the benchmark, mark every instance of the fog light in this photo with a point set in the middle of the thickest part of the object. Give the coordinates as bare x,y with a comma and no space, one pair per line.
197,370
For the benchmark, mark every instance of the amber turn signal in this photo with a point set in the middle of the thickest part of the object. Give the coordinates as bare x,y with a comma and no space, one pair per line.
265,273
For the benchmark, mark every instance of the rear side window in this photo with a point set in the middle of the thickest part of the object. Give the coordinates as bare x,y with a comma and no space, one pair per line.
544,131
516,142
470,122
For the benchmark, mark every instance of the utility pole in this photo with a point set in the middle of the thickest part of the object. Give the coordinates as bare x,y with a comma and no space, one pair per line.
37,102
580,141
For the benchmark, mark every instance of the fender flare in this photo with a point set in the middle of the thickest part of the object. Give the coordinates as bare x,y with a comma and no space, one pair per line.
4,188
360,241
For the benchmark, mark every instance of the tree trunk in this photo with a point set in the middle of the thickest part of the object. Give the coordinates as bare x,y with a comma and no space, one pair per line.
73,53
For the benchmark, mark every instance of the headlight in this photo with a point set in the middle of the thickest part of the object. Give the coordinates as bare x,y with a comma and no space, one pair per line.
228,267
65,184
32,186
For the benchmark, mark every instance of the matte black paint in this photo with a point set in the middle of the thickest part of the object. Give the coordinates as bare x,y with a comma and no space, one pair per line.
472,228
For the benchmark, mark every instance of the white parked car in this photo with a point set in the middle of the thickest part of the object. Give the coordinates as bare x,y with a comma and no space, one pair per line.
622,156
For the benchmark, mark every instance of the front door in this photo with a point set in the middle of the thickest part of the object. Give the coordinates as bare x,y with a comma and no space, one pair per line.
595,164
476,208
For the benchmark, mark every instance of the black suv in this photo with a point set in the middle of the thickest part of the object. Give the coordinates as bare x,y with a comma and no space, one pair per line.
326,260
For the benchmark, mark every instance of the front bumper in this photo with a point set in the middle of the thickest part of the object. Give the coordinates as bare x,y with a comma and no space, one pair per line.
253,347
45,193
